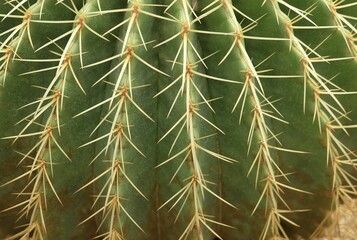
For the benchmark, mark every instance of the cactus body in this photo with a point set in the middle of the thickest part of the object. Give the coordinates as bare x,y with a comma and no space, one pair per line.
176,119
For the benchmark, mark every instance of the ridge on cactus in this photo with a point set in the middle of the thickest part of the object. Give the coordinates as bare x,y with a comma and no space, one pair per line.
177,119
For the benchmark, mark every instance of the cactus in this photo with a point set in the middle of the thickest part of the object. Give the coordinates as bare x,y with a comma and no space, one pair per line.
176,119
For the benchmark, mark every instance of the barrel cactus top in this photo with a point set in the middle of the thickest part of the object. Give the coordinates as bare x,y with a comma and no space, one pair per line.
176,119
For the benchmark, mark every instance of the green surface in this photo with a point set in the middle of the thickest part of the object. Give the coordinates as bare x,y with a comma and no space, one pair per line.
176,119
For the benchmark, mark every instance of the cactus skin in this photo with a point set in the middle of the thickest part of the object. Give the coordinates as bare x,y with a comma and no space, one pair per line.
149,119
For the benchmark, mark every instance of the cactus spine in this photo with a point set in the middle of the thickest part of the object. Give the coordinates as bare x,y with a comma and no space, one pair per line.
176,119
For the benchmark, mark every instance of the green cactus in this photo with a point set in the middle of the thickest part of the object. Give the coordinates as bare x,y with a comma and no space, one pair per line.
176,119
